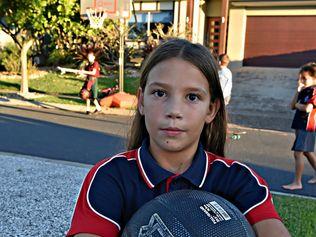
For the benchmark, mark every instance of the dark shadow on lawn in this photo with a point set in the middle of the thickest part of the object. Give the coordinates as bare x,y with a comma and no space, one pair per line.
17,87
10,84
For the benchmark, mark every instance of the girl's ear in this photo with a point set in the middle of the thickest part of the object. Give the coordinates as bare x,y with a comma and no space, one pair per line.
213,109
140,101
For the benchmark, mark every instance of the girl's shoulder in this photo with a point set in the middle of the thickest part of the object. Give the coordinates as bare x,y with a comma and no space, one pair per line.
227,168
118,161
95,64
306,91
309,88
213,157
230,164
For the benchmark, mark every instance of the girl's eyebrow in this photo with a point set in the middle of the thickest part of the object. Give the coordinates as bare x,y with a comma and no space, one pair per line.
158,84
165,85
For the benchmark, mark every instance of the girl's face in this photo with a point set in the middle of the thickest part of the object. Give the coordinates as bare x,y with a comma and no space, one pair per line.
176,105
91,57
307,79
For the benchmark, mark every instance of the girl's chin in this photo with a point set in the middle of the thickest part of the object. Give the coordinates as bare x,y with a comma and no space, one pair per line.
172,146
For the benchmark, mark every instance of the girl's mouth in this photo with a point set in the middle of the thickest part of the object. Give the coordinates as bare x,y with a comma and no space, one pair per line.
172,131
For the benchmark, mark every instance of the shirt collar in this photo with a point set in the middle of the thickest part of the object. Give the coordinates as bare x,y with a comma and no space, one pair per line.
154,174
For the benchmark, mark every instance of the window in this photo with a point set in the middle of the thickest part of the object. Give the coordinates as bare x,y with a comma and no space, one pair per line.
164,17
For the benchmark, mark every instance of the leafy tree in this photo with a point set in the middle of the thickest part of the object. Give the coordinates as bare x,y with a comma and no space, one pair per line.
28,21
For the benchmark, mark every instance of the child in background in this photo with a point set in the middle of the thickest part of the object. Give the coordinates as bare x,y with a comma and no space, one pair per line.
304,102
225,77
92,70
89,55
177,142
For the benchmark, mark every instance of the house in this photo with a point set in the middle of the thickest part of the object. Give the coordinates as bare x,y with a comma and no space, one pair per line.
271,33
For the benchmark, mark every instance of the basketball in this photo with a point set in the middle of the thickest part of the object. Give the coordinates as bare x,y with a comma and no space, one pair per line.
188,213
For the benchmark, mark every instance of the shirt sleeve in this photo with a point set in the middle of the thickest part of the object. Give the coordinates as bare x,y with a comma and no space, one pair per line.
248,192
254,197
263,211
312,100
99,205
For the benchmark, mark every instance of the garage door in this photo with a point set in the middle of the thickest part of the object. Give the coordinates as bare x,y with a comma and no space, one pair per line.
280,41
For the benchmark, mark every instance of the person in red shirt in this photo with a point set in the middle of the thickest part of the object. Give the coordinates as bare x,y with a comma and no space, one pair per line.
92,71
177,142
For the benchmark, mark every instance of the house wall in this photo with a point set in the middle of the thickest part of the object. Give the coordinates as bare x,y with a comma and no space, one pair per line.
210,8
180,17
201,30
5,39
213,8
183,18
236,36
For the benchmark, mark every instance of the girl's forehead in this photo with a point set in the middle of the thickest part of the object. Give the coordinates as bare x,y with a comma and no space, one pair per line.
178,73
174,65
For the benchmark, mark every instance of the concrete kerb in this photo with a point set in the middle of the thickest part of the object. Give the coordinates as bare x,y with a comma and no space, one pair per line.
8,100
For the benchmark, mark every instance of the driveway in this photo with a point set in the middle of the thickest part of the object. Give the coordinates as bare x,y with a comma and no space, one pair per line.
261,97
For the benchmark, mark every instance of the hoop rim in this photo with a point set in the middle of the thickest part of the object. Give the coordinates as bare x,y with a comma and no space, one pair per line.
96,16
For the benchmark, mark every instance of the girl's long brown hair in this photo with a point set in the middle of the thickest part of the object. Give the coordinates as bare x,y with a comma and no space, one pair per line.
213,136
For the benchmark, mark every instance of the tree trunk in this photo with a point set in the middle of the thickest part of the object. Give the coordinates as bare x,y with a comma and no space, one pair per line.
24,81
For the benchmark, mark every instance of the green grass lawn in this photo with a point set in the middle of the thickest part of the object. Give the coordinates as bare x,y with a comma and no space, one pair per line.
298,214
64,88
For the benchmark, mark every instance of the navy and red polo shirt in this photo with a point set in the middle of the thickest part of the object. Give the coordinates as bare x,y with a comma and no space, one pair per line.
116,187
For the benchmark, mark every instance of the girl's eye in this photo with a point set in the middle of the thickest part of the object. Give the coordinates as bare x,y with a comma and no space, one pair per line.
192,97
159,93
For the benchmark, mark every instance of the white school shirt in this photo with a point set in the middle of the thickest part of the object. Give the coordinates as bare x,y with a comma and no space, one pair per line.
226,80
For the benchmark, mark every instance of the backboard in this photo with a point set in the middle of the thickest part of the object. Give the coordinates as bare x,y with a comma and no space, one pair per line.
113,8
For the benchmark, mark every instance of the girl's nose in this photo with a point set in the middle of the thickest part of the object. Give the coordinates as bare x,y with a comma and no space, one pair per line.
174,115
173,109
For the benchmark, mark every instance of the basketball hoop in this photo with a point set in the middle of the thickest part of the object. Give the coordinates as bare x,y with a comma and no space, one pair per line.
96,17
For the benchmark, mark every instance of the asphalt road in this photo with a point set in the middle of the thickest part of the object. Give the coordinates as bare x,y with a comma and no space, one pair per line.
76,137
61,135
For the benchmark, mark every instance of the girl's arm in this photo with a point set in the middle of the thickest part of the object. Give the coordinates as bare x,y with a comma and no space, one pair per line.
91,73
300,87
270,227
294,101
302,107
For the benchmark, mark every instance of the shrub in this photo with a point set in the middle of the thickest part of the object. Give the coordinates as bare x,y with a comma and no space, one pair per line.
59,57
10,59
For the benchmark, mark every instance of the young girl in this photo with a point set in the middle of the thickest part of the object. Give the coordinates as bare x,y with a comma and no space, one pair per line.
304,124
177,142
92,70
